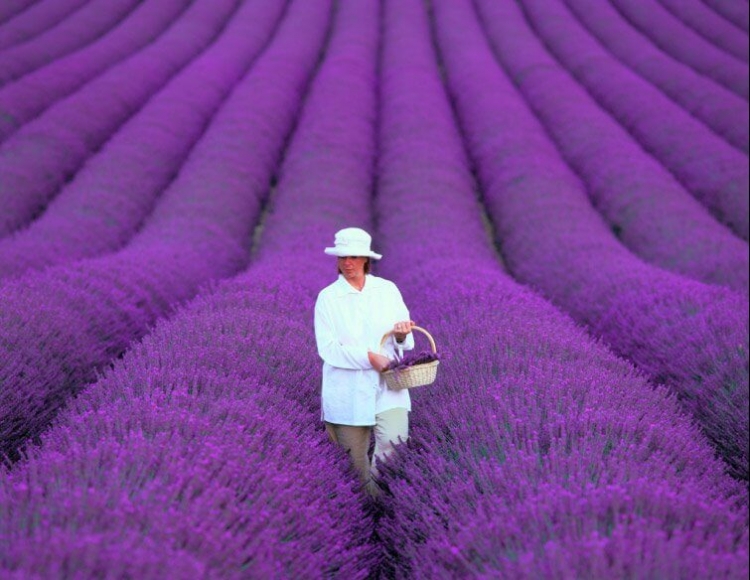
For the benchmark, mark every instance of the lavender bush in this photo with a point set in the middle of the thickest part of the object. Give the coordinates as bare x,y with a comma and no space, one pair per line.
169,469
716,106
537,453
672,36
712,170
645,206
108,199
711,26
691,336
27,97
12,8
93,19
38,158
88,312
734,12
25,22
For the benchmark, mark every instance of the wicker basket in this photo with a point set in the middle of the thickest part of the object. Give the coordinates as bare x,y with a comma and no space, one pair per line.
413,376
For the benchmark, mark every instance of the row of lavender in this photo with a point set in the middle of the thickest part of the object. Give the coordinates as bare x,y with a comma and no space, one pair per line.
85,24
735,12
41,155
718,107
70,320
27,21
303,219
691,336
538,454
712,26
711,169
253,487
110,196
645,206
676,39
13,8
28,96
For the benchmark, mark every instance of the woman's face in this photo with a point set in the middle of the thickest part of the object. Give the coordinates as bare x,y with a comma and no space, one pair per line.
352,266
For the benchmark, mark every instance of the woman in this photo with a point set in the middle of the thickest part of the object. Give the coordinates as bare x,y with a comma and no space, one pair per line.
351,317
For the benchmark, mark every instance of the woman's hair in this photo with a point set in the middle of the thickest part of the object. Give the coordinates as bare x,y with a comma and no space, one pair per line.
367,266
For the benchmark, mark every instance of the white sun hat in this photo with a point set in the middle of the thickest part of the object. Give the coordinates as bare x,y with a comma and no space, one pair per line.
352,242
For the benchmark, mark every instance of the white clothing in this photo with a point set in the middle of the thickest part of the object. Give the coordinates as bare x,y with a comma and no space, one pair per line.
348,323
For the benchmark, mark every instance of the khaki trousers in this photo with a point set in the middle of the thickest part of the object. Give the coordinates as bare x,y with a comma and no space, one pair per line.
389,426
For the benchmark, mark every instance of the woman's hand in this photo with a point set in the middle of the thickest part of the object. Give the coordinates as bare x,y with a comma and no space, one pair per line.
401,329
378,361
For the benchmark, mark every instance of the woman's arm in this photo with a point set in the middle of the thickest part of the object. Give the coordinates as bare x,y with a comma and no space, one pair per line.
331,350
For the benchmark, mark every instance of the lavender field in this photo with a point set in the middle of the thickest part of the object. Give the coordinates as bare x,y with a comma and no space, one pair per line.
560,190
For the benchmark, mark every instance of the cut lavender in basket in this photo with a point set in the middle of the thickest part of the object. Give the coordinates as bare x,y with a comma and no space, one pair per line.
410,360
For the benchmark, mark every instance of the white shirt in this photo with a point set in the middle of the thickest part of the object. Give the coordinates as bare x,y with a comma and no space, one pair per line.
348,323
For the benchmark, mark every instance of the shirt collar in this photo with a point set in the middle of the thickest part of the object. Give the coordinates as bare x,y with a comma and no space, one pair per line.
343,287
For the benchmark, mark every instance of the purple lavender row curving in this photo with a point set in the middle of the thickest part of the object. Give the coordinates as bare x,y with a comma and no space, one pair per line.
426,194
12,8
33,20
258,325
645,206
717,107
102,207
324,183
537,453
59,326
252,126
734,12
712,170
711,26
690,336
172,468
85,25
26,98
220,352
684,44
41,156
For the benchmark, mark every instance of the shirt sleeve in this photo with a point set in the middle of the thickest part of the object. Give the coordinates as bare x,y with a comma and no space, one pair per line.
330,348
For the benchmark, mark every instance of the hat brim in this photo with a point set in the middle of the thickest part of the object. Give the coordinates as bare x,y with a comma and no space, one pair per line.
339,253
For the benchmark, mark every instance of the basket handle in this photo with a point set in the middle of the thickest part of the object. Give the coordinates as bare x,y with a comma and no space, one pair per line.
420,329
